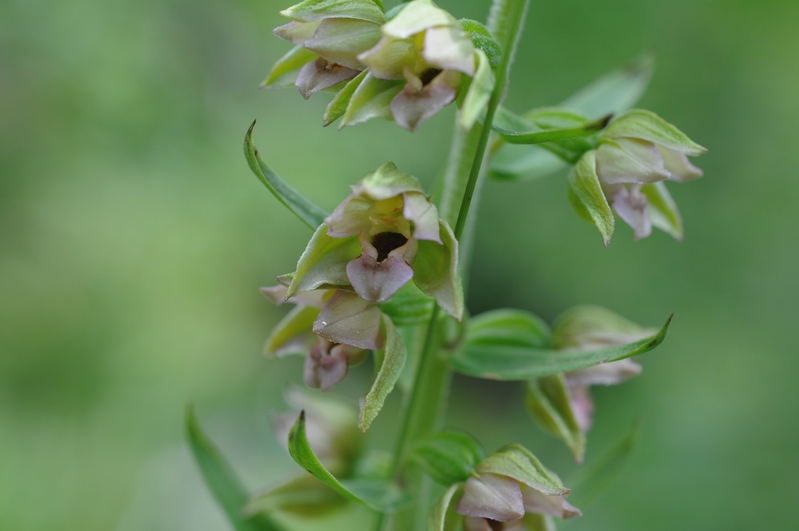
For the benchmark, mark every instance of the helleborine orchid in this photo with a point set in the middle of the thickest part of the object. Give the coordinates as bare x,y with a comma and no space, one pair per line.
329,37
334,329
508,484
636,152
380,237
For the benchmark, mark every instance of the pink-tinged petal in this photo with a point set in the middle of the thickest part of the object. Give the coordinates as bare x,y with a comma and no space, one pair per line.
349,319
630,204
471,523
539,503
413,105
582,406
296,32
284,280
351,217
378,281
324,369
679,166
276,294
449,48
626,160
492,496
353,355
424,216
321,74
315,298
610,373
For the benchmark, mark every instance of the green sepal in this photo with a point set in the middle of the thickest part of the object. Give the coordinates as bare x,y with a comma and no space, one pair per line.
409,306
508,327
517,462
371,99
511,362
445,516
391,361
587,197
537,135
615,91
295,59
483,40
311,214
375,494
662,209
547,401
448,457
338,105
435,271
311,10
324,262
478,93
646,125
297,322
302,496
221,480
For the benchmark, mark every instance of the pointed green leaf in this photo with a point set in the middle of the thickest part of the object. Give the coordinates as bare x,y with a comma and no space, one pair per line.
646,125
587,197
537,135
409,306
448,457
310,10
372,99
547,400
324,262
511,362
375,494
393,355
595,477
483,40
222,481
295,59
286,336
507,327
444,516
616,91
338,105
517,462
591,327
662,209
435,271
478,93
311,214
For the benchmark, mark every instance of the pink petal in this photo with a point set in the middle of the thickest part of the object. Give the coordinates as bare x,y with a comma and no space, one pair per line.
323,370
351,320
582,406
630,204
539,503
625,160
321,74
413,106
610,373
378,281
492,496
679,166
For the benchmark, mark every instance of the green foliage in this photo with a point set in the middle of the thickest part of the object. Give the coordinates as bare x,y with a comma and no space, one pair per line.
587,197
498,360
448,457
222,481
391,361
547,400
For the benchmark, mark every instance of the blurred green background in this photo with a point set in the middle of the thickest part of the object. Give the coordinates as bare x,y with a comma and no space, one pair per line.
133,239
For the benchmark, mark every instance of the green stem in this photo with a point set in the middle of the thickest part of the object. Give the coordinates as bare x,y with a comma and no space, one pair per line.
426,406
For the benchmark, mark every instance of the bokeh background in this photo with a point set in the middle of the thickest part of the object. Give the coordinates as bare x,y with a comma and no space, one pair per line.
133,239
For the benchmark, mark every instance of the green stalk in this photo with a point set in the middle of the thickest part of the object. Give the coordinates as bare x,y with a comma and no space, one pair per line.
427,403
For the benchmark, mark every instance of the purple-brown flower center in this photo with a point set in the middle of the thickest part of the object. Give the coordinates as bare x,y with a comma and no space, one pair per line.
428,75
385,242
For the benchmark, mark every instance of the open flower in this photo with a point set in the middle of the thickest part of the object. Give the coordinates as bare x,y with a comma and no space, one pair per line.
380,237
427,48
636,152
329,39
508,484
334,329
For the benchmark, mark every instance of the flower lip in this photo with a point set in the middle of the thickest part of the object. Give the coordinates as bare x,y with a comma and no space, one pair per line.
385,242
